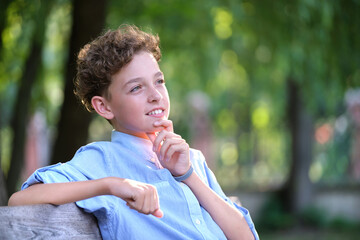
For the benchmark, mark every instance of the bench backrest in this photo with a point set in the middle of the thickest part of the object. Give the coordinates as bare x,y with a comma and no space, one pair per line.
47,221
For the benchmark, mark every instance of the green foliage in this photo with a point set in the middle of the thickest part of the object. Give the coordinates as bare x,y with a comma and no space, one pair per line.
239,53
16,39
344,225
308,234
273,217
48,92
21,18
314,217
332,158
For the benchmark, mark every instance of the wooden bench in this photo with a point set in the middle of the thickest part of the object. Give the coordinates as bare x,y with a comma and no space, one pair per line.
47,221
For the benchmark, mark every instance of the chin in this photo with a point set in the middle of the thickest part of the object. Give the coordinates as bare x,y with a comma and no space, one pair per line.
155,130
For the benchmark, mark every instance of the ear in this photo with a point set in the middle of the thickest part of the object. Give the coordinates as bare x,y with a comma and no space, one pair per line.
101,106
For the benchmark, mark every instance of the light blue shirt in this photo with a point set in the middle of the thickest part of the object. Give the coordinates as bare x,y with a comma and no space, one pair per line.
127,156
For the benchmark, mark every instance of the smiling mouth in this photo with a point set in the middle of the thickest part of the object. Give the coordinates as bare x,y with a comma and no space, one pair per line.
155,112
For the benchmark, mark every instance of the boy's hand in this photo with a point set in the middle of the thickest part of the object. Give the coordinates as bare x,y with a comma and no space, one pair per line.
139,196
172,150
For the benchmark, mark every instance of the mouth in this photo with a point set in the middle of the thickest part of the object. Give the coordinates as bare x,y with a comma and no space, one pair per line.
156,112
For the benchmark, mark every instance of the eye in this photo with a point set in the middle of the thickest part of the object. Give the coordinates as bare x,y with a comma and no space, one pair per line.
136,88
160,81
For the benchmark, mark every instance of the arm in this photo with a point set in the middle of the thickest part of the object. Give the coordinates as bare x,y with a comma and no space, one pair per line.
173,153
139,196
229,219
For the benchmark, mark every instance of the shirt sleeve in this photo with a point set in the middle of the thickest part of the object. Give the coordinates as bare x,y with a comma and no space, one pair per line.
88,163
201,168
80,168
49,174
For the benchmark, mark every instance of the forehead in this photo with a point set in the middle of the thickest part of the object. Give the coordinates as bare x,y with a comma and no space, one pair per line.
142,65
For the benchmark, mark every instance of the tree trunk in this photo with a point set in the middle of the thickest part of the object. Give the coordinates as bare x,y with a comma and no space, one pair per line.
72,130
21,117
3,192
298,190
3,8
21,111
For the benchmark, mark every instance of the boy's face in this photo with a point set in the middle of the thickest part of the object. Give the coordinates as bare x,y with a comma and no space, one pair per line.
138,96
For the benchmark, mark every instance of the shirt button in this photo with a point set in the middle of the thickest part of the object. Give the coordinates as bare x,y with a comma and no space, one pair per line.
197,221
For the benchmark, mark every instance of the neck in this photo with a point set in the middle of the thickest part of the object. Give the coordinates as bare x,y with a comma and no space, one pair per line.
136,134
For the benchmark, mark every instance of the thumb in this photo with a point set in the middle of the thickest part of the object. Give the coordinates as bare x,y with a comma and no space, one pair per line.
158,213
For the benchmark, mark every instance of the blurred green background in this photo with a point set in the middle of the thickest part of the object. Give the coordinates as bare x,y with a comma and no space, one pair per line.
268,90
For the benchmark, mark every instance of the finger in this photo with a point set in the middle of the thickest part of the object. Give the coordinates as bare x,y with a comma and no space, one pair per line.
146,208
137,200
156,210
162,137
136,205
165,123
169,147
176,149
156,199
158,140
151,202
158,213
166,138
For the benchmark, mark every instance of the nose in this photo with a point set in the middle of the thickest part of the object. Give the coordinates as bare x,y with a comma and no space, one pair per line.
154,95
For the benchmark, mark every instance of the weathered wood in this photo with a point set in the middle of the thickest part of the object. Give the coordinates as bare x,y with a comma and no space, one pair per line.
47,221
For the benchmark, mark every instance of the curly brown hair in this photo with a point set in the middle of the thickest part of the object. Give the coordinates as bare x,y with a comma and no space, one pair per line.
99,60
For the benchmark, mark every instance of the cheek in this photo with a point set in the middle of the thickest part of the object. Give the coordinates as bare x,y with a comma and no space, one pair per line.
167,99
168,113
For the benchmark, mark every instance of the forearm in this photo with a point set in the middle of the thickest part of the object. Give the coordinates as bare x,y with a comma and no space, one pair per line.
60,193
139,196
229,219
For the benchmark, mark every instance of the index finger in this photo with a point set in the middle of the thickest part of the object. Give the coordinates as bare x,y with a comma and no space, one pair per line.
166,124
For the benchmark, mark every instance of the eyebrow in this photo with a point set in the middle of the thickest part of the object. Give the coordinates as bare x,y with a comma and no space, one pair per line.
157,74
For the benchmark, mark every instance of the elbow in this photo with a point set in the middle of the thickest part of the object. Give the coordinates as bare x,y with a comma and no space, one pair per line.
18,199
13,200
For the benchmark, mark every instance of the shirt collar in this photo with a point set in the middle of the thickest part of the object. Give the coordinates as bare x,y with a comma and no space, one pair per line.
131,140
136,144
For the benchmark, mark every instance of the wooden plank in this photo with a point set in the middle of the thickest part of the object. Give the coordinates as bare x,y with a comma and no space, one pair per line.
47,221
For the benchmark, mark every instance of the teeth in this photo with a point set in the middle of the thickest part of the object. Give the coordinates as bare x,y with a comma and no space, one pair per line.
158,111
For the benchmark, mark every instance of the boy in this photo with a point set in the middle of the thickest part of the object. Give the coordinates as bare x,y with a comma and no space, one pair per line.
146,183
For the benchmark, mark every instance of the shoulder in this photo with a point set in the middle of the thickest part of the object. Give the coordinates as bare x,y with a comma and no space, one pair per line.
95,146
96,150
196,155
93,156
